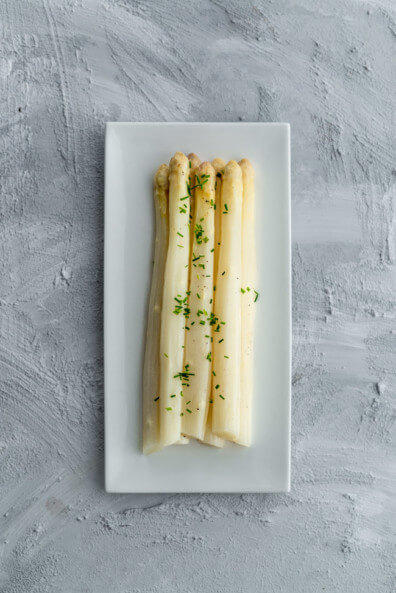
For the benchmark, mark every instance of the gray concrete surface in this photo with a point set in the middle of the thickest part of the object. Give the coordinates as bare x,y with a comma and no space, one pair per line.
68,66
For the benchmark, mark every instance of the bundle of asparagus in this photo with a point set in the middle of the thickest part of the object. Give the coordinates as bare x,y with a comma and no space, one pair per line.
198,369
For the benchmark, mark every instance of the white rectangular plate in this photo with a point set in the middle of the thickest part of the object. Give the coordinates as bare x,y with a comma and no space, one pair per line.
133,153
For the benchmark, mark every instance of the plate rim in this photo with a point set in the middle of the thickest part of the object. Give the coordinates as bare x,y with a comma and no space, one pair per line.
116,124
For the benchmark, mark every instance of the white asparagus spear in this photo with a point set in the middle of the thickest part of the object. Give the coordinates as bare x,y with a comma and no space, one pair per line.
227,341
193,162
248,307
218,165
151,358
173,302
198,346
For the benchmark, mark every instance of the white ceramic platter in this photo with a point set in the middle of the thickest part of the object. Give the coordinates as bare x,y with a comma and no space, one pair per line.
133,152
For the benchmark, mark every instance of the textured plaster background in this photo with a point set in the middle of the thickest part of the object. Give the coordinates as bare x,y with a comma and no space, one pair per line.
68,66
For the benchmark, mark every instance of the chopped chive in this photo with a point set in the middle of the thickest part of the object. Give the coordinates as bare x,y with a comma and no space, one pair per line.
222,397
156,398
198,297
168,409
217,386
180,235
226,356
173,395
243,290
257,295
166,356
222,340
189,164
189,402
212,250
214,288
210,302
181,394
226,207
199,233
181,414
183,375
223,273
209,357
180,245
185,198
248,288
213,373
202,322
189,411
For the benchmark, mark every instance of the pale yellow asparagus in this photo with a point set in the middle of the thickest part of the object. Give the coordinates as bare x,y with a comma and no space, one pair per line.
227,340
248,306
151,375
198,344
193,162
173,303
218,165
